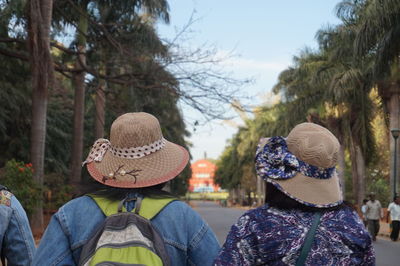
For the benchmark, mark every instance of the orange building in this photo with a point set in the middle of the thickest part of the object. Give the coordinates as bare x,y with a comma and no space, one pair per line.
202,180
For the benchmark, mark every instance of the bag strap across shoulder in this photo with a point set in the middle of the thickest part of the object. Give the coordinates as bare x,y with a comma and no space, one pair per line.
4,188
145,207
309,240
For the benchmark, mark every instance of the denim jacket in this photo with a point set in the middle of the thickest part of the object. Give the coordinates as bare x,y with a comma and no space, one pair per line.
16,237
188,239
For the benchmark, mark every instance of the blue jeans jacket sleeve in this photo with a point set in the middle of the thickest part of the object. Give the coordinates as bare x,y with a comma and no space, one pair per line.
18,244
189,240
54,246
204,247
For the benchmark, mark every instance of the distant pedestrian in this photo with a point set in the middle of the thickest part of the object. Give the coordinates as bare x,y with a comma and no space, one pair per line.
364,212
374,214
304,220
394,212
16,240
131,169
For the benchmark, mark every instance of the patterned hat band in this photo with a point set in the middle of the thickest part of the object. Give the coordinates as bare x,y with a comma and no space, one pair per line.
101,146
275,161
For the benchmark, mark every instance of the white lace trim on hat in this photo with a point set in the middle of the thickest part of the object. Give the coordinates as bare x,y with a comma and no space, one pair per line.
100,147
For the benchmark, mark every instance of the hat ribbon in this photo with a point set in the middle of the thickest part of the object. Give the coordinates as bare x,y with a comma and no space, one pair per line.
101,146
275,161
98,150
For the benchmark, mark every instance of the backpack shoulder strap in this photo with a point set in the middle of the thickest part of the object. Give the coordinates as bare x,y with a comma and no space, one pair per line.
107,206
149,207
4,188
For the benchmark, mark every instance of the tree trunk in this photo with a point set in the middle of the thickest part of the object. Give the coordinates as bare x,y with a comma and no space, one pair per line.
361,175
394,112
100,110
79,106
260,191
354,174
40,14
358,173
341,168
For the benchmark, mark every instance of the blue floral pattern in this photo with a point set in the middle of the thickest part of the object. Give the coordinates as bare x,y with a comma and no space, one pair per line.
270,236
275,161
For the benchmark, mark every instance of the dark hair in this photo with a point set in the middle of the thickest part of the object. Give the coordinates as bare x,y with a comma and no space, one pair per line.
276,198
365,201
115,193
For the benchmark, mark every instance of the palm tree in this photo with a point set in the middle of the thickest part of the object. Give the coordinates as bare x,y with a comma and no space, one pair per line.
350,84
377,26
86,13
40,15
330,81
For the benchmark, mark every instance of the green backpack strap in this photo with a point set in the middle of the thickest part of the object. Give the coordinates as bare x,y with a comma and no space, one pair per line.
148,207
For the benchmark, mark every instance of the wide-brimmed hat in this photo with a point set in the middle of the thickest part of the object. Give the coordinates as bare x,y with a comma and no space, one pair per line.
137,155
302,165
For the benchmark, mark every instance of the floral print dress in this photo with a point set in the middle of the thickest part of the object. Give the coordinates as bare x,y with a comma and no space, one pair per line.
270,236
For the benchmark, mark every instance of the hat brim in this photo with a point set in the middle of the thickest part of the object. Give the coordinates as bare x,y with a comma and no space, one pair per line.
310,191
155,168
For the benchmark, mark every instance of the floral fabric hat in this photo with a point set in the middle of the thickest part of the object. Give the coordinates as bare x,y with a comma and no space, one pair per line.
302,165
137,155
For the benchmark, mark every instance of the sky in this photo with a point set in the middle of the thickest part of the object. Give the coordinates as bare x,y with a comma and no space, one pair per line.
264,35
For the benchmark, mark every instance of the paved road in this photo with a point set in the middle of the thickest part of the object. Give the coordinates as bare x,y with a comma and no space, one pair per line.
220,219
387,252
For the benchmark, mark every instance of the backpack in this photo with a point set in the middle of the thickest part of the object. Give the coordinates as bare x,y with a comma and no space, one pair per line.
126,238
5,196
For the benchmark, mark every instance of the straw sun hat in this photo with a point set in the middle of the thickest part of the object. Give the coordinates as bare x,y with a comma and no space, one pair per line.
302,165
136,155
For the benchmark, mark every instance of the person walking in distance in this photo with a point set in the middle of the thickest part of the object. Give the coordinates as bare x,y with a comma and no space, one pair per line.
364,212
374,214
394,212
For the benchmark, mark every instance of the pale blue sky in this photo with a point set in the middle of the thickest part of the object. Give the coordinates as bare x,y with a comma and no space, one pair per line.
265,35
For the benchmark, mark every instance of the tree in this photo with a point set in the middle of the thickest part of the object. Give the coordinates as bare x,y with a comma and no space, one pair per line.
99,15
331,80
39,22
377,25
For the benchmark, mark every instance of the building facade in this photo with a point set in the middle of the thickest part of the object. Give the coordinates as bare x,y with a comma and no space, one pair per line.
202,180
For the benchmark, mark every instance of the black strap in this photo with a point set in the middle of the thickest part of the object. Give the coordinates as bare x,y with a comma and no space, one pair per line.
138,204
309,240
4,188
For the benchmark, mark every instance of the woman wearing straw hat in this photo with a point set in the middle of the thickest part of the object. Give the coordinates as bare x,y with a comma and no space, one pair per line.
135,164
304,220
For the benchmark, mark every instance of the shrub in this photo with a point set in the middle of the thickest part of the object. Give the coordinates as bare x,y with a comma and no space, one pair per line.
56,192
18,177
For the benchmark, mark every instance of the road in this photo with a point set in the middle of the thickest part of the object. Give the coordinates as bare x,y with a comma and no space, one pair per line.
220,219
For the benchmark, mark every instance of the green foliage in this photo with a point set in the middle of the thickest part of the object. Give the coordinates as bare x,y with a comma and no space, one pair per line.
17,176
228,172
14,110
56,191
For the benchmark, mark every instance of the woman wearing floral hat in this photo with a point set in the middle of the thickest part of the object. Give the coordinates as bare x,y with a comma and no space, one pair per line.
304,220
132,166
